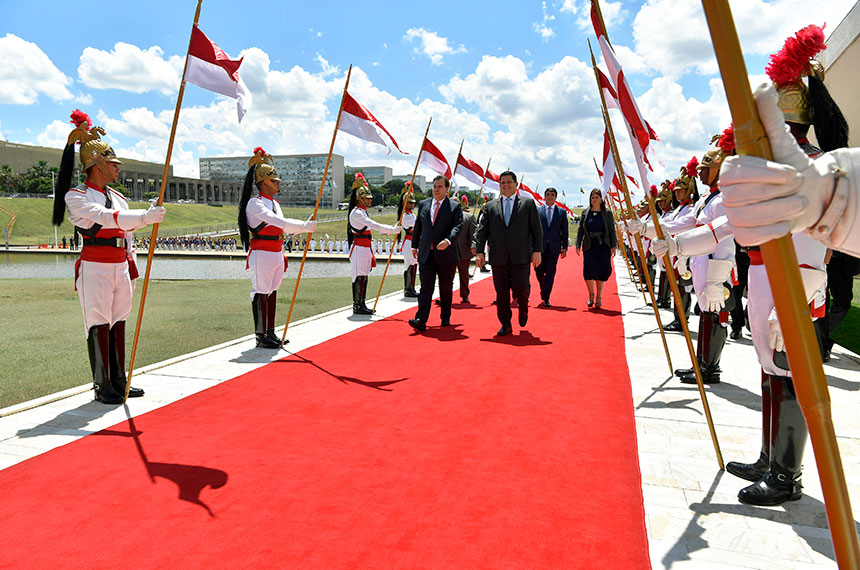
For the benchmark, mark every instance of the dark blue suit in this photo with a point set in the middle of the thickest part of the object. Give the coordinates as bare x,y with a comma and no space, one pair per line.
554,242
426,235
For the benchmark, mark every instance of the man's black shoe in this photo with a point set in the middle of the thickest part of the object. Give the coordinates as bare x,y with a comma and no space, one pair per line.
265,342
706,378
524,318
504,331
547,303
674,326
446,323
438,302
464,300
417,325
735,334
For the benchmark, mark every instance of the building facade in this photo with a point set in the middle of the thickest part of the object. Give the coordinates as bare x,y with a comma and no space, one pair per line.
376,175
300,174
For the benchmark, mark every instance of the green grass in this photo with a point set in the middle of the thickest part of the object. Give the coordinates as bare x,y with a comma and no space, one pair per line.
33,219
44,348
848,332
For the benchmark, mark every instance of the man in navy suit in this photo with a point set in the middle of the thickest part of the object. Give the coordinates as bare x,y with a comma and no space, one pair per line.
553,221
434,243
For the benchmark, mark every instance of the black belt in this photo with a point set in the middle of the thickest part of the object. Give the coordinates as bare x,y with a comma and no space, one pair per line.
112,242
269,238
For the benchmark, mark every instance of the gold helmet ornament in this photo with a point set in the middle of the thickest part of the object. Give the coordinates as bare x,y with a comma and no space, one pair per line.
665,193
687,179
790,65
361,187
714,158
265,169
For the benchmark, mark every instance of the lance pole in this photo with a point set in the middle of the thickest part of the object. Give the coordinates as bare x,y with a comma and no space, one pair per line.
403,211
789,298
620,215
620,170
160,201
477,210
317,207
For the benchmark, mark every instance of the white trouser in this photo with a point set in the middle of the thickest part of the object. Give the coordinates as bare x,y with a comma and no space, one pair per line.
361,260
267,271
408,259
759,306
105,291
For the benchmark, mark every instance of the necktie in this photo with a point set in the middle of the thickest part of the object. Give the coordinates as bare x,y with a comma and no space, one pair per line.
435,211
508,204
549,215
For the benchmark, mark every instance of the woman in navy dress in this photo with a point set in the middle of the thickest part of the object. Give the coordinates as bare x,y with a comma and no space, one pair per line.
597,240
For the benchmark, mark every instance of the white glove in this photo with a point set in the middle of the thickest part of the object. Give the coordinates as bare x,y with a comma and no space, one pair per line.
681,264
397,229
661,247
634,226
765,200
310,226
154,215
774,335
714,297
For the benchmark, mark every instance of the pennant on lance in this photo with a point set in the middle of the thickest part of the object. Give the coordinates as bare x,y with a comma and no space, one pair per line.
531,193
491,180
359,122
470,170
433,158
210,68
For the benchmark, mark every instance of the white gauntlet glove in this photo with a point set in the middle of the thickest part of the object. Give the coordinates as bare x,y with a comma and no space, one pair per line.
310,225
764,199
681,265
397,229
813,281
774,334
154,215
714,295
634,226
661,247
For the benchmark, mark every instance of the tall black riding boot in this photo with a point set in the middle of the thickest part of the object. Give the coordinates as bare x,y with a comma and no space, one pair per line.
710,341
665,293
98,346
260,308
409,282
788,431
271,307
675,325
117,361
359,289
755,471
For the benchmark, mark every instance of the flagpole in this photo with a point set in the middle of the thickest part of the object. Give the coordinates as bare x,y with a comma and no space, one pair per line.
618,234
792,308
620,171
317,207
160,201
670,273
477,210
403,211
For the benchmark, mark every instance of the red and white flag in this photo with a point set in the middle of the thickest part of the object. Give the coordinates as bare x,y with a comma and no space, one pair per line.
470,170
530,192
638,127
359,122
491,180
433,158
210,68
609,94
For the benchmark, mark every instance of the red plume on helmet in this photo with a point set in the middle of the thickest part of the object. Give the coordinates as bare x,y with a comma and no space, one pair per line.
79,117
792,62
726,142
260,150
672,184
654,190
691,167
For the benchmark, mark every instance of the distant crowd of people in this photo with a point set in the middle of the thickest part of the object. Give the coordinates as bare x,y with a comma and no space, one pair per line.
189,243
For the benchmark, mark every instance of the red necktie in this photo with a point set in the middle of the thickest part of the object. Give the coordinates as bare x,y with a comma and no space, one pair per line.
435,211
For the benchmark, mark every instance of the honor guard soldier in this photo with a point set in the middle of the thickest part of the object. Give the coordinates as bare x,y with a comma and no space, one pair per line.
712,264
777,472
406,215
262,226
106,269
358,228
665,206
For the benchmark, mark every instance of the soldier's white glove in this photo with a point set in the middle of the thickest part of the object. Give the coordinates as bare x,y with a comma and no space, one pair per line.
634,226
774,334
397,229
154,215
661,247
714,295
310,225
681,264
764,199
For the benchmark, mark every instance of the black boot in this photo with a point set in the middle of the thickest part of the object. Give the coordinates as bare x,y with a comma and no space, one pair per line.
260,309
271,307
711,340
117,361
755,471
359,290
98,345
788,430
409,282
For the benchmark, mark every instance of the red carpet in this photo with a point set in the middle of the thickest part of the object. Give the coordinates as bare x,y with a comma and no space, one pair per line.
378,449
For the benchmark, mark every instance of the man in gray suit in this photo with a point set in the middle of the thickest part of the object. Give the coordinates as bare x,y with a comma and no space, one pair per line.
512,228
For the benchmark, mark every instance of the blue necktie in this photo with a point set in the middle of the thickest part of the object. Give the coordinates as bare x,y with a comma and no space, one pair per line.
507,211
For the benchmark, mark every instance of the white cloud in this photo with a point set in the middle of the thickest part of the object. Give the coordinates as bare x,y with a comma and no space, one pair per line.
55,134
28,72
1,134
83,99
432,44
129,68
613,12
542,29
327,68
666,29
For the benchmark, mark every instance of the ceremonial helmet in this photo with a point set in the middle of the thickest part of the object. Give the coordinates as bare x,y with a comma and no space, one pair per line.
94,152
265,169
464,202
361,187
407,194
802,104
725,143
687,180
665,193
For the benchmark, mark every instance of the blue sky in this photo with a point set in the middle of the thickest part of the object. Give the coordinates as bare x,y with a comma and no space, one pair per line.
511,78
